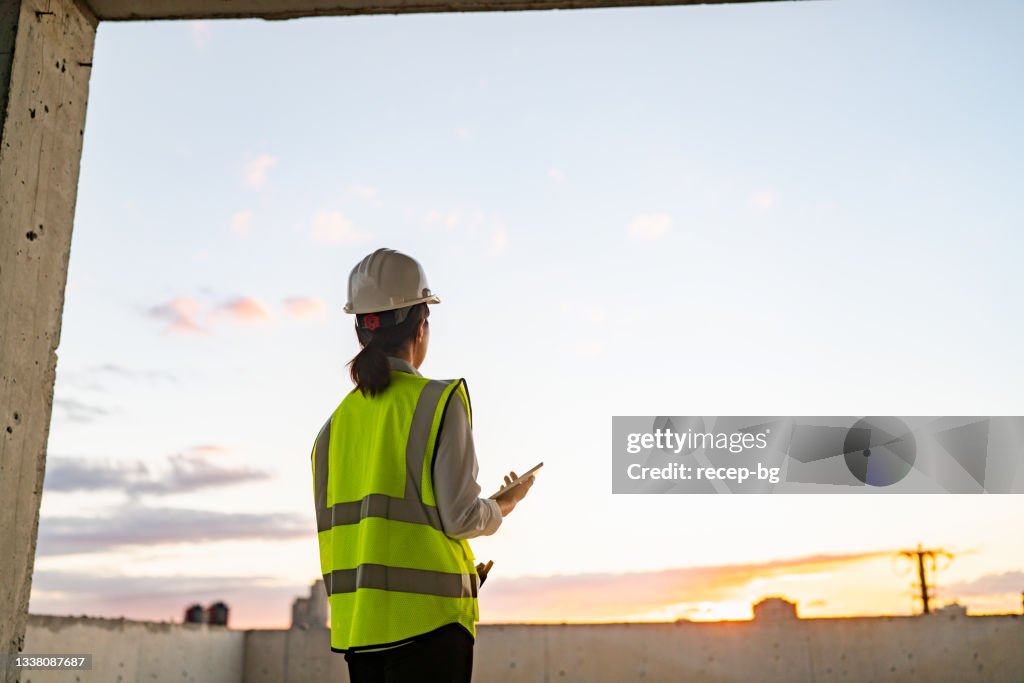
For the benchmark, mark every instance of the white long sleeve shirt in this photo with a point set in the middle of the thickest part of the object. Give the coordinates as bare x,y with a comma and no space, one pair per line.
464,514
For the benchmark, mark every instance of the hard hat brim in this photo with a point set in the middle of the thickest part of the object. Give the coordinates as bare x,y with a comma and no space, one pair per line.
432,299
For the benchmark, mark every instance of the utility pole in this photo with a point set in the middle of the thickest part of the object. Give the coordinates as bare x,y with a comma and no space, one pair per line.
919,556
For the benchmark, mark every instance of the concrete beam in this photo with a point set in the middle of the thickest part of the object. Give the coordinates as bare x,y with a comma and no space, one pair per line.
45,62
121,10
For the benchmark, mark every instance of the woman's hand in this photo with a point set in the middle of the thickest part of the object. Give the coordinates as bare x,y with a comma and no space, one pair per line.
507,500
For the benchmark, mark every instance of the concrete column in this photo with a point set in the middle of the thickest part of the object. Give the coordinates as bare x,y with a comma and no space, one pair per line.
45,62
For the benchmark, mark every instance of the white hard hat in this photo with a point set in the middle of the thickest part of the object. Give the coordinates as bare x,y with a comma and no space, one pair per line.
386,280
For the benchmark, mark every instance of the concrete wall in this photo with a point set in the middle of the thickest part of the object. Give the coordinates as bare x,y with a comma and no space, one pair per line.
45,63
935,649
293,655
130,651
925,650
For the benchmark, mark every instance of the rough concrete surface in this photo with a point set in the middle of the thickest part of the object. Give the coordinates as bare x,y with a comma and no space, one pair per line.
887,649
124,650
278,9
47,57
934,649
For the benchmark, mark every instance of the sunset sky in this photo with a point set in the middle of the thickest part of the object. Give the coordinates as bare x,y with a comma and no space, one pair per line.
792,208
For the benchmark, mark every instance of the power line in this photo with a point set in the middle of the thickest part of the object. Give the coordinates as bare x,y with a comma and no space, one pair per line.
919,555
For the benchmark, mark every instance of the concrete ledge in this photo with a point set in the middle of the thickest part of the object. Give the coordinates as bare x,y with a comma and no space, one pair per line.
127,10
125,650
932,649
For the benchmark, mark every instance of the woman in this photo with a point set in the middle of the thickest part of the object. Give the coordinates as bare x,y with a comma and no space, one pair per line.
394,472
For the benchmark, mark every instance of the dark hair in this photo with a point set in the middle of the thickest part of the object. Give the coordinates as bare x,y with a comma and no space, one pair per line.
370,370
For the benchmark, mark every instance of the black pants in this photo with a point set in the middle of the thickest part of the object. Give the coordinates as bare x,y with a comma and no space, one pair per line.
441,656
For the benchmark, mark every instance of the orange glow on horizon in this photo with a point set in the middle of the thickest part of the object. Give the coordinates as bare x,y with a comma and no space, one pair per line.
865,584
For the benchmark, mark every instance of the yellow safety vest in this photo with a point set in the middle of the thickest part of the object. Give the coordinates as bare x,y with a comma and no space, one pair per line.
390,570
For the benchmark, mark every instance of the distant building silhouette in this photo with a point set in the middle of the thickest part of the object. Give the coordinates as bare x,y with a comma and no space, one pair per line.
214,615
217,614
951,611
311,611
194,614
775,609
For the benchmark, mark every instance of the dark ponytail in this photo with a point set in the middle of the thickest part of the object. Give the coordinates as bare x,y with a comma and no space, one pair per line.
370,370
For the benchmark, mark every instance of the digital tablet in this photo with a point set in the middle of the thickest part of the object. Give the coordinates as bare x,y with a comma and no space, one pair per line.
519,480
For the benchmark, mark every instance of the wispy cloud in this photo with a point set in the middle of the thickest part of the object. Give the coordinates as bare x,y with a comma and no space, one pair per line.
650,226
190,315
133,374
198,468
333,227
79,411
240,222
556,174
463,133
255,601
305,308
106,378
990,584
117,585
180,314
244,309
255,172
134,525
65,474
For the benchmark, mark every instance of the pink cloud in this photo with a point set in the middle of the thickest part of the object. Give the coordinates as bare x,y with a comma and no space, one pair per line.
255,172
305,308
180,314
185,314
650,226
240,222
245,310
208,450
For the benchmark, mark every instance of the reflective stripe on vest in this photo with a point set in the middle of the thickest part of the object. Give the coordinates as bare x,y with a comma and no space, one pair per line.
390,570
401,579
